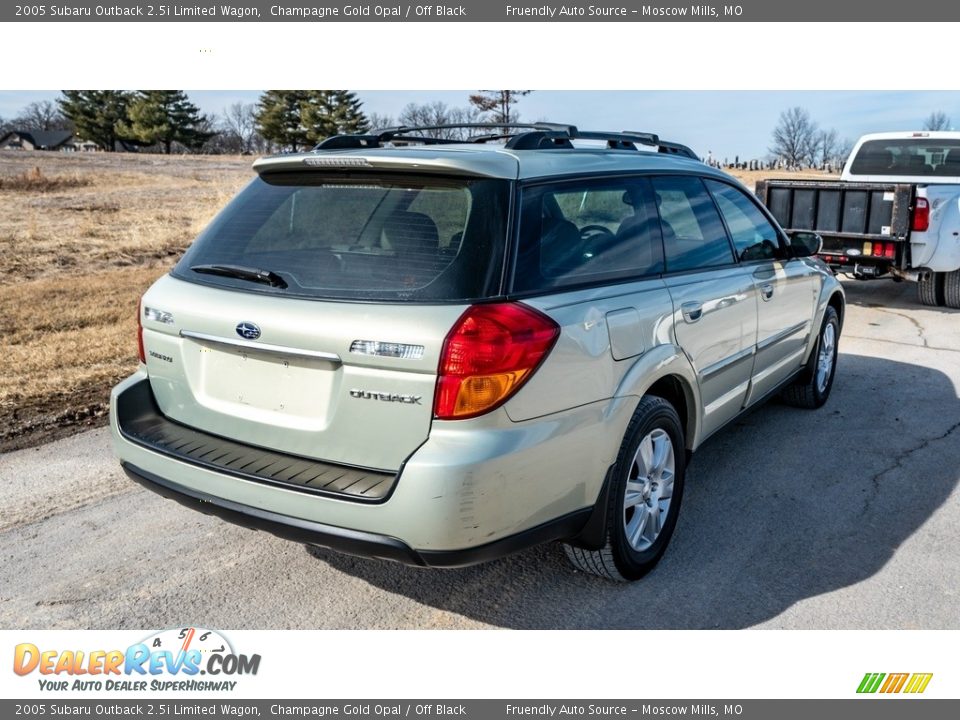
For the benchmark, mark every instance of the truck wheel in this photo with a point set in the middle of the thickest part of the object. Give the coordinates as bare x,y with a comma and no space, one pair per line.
951,289
813,389
645,497
930,289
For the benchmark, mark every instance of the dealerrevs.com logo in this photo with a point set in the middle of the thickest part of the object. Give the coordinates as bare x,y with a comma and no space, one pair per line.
910,683
169,660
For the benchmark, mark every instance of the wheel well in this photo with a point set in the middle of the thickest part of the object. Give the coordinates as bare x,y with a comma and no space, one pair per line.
836,302
671,389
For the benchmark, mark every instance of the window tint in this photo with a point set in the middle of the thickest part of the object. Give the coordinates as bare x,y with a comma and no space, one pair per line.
927,157
586,231
361,236
693,234
753,236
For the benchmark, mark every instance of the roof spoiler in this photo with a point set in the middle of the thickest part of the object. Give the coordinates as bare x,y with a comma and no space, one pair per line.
518,136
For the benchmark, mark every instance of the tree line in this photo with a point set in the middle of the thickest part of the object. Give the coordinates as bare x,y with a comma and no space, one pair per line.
798,141
281,120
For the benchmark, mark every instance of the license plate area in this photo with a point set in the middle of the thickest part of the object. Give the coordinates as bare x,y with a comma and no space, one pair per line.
246,382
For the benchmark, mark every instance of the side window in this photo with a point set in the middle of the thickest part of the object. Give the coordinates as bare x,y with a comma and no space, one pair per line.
586,231
693,234
752,234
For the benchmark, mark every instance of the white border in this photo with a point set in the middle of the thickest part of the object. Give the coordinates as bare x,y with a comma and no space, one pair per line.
588,56
442,56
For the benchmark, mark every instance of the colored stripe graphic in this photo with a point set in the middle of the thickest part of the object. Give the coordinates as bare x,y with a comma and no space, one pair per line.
918,682
870,682
895,683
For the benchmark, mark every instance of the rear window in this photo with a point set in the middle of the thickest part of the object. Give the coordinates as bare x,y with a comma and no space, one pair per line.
358,237
924,157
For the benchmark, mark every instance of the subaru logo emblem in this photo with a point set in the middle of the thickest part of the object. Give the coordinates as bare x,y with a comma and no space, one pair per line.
248,330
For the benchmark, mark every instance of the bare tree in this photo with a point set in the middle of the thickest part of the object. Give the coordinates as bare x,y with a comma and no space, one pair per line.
439,113
827,143
40,116
795,138
499,104
379,122
937,120
239,126
844,148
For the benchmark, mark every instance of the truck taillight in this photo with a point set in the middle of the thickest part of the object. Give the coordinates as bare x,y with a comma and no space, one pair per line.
921,215
140,352
490,352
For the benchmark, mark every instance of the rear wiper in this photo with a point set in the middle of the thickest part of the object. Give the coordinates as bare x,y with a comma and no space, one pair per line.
267,277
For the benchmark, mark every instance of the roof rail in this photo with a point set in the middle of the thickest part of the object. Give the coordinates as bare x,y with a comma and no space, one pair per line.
531,136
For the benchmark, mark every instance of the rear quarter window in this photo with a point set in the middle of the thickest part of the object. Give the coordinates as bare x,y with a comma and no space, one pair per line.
588,231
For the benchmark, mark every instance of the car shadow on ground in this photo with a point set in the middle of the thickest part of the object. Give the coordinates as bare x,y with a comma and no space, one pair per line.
783,505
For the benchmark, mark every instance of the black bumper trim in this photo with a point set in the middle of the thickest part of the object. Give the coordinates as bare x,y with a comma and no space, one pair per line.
354,542
140,421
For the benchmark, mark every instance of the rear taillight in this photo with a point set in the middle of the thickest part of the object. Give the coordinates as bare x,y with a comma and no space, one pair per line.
140,353
886,250
488,355
921,215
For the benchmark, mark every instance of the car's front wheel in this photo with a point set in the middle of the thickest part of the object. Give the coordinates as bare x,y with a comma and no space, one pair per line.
645,496
812,390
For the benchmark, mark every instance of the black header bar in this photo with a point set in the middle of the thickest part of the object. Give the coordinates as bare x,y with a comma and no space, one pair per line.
488,11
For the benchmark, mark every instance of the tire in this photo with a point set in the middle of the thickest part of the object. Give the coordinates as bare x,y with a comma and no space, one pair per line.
951,289
813,389
930,289
635,542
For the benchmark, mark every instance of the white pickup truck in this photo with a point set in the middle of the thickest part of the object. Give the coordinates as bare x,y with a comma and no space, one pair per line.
895,212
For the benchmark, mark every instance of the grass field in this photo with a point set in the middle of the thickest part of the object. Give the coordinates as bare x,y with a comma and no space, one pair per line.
81,237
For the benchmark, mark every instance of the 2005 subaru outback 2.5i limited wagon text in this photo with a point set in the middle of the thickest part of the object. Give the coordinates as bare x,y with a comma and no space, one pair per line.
441,352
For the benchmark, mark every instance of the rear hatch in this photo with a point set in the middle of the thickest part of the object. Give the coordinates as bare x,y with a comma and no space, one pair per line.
309,318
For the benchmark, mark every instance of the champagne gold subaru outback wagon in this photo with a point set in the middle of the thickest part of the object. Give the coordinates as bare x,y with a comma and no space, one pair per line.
440,352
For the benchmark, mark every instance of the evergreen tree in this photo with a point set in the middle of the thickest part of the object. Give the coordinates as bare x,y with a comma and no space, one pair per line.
333,112
96,114
164,117
298,119
279,118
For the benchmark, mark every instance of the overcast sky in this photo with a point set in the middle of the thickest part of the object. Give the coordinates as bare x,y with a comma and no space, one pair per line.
728,123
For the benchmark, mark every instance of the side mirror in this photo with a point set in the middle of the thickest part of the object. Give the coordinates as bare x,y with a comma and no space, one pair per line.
805,244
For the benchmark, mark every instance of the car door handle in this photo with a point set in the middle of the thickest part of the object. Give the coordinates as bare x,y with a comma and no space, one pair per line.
766,291
692,311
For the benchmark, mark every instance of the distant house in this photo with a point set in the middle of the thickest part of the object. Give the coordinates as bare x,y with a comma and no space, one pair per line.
62,140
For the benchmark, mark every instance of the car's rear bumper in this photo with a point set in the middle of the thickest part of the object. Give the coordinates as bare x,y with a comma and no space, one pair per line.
354,542
469,494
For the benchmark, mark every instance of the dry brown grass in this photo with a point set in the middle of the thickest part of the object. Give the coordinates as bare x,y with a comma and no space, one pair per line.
81,238
35,181
750,177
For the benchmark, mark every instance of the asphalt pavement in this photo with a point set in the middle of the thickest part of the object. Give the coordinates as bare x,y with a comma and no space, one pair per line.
845,517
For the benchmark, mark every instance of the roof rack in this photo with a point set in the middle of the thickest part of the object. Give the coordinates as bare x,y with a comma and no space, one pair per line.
529,136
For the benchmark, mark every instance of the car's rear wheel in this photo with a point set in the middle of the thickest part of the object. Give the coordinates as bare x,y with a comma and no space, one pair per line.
645,496
930,289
